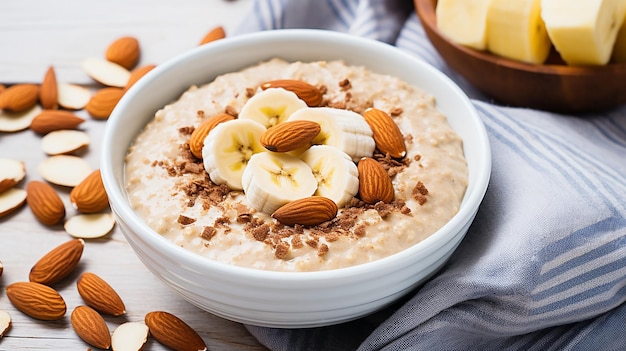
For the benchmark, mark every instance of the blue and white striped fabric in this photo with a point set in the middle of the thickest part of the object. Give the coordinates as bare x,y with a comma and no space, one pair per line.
543,267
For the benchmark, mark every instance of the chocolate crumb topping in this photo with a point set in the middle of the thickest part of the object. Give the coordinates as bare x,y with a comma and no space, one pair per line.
396,111
345,84
282,250
208,232
200,114
322,250
184,220
186,130
231,110
250,92
419,193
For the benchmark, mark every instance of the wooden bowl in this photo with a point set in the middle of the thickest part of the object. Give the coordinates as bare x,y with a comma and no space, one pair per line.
552,86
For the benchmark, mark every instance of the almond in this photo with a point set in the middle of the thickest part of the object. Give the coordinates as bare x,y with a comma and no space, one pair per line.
99,295
307,211
137,74
374,182
90,196
19,97
11,200
90,226
103,102
37,300
2,88
48,92
45,203
73,96
173,332
124,51
51,120
129,336
196,141
11,172
5,322
64,170
91,327
386,133
106,72
1,268
214,34
291,135
16,121
305,91
65,142
58,263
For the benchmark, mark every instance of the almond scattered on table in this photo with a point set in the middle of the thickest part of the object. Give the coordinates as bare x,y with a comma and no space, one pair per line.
45,203
48,92
103,102
91,327
11,172
99,295
124,51
90,226
64,142
137,74
5,322
106,72
58,263
73,96
37,300
17,121
90,196
173,332
129,336
50,120
64,170
212,35
19,97
11,200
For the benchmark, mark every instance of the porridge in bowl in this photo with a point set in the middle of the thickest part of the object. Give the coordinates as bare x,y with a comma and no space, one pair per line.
298,166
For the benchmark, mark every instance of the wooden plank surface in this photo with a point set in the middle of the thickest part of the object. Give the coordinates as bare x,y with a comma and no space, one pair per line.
35,34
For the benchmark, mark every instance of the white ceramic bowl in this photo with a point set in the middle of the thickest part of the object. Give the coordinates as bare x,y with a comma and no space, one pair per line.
289,299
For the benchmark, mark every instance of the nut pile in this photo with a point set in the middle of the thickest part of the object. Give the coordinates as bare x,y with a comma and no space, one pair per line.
49,110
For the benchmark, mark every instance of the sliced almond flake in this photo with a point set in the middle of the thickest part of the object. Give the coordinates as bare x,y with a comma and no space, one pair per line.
64,170
11,200
106,72
5,322
90,226
16,121
11,172
63,142
72,96
129,336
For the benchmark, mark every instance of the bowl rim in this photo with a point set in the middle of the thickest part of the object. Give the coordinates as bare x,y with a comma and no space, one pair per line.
121,208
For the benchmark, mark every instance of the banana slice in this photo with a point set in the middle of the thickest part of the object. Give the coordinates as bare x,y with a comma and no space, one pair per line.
271,180
337,176
228,148
583,31
464,21
344,129
515,30
271,106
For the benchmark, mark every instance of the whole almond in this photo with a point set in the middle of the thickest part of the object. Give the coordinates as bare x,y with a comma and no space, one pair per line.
44,202
214,34
51,120
90,196
386,133
173,332
48,92
124,51
58,263
374,182
305,91
99,295
196,141
19,97
37,300
137,74
291,135
91,327
103,102
307,211
2,88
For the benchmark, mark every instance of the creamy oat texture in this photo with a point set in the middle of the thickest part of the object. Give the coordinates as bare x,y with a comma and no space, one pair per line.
170,190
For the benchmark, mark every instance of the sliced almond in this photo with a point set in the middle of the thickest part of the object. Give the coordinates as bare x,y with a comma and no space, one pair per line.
214,34
90,226
44,202
57,263
103,102
48,93
51,120
196,141
37,300
290,135
64,142
129,336
106,72
73,96
99,295
137,74
19,97
307,211
65,170
11,200
16,121
90,196
173,332
5,322
91,327
11,172
124,51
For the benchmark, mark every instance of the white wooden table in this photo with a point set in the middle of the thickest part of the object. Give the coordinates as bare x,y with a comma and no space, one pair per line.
35,34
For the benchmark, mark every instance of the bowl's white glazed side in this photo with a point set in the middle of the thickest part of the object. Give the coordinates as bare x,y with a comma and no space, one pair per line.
282,299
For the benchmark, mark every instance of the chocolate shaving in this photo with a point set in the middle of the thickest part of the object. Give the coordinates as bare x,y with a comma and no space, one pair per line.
208,232
184,220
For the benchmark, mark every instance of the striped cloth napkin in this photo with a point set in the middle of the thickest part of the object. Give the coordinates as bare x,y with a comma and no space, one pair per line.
543,267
